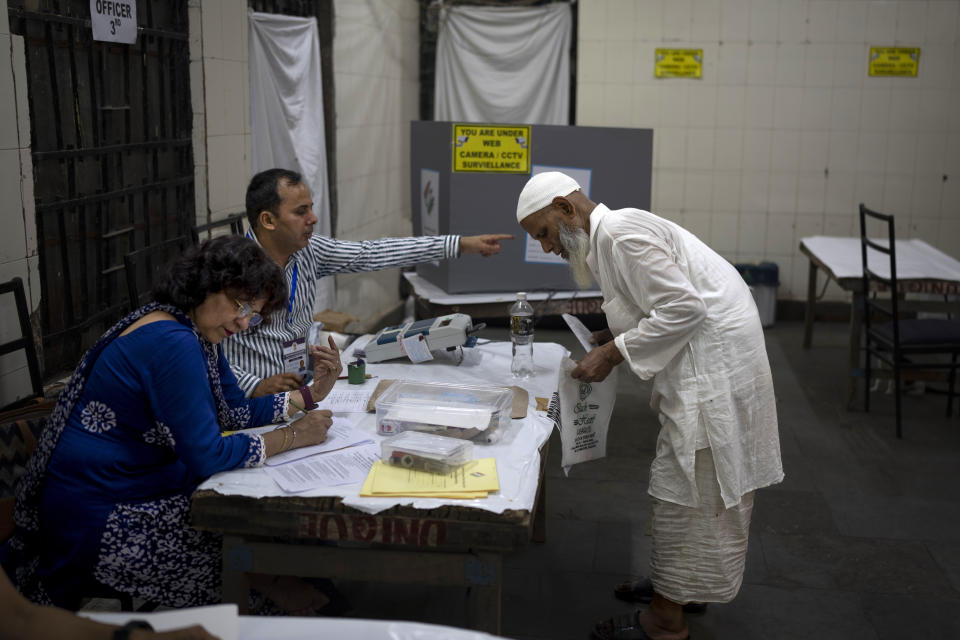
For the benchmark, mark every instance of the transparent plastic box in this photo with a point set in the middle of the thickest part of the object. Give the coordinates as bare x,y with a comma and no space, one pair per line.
426,451
455,410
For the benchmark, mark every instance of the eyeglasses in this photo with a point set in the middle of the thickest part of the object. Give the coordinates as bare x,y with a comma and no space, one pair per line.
244,309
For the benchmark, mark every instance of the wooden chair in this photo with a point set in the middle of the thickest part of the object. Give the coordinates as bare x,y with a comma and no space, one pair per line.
25,341
19,430
902,343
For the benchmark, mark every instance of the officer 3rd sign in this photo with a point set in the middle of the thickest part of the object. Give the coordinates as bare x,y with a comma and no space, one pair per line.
491,149
114,20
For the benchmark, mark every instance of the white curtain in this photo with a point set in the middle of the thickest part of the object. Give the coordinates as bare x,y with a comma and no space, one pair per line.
286,110
504,64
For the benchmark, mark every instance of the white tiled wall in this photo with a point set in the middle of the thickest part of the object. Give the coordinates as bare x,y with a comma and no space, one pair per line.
18,243
785,134
220,91
376,49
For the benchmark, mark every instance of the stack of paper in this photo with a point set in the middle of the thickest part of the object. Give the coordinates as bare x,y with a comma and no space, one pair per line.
475,479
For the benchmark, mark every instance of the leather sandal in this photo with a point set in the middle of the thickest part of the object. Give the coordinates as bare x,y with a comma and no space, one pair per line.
641,590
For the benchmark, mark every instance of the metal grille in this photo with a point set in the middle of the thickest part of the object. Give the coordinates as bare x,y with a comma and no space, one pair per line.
112,159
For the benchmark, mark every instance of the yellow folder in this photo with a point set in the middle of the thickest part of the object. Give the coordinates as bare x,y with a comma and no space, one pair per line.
473,480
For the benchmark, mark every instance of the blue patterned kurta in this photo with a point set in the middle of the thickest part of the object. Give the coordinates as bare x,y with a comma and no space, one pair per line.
143,434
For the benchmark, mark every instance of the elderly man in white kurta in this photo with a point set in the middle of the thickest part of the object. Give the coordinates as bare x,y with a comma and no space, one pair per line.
681,314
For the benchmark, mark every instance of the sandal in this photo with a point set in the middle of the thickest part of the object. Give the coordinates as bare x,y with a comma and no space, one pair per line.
622,627
641,590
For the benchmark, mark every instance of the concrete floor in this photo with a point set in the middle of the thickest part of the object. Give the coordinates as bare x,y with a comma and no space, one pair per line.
860,542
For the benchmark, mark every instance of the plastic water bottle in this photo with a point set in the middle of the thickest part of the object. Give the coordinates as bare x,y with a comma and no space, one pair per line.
521,335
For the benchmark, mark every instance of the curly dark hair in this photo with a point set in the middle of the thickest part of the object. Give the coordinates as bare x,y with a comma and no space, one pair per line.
228,262
262,192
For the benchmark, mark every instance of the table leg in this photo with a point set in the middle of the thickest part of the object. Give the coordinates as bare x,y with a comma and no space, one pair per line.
539,533
853,356
483,599
235,566
811,303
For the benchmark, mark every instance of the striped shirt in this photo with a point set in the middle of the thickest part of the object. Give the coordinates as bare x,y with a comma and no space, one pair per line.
257,353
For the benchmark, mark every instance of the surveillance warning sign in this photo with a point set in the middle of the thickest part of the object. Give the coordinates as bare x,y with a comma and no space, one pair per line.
894,61
480,148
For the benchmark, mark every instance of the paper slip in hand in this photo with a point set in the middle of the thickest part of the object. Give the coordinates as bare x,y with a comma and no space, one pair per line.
347,466
580,330
346,400
341,435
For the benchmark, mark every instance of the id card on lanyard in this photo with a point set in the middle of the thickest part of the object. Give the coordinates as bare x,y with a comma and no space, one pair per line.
295,351
295,357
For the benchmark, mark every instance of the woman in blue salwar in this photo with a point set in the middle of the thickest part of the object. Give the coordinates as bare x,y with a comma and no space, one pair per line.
105,500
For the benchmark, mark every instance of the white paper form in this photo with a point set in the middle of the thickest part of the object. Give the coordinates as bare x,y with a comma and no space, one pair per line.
580,330
346,466
341,435
221,620
346,400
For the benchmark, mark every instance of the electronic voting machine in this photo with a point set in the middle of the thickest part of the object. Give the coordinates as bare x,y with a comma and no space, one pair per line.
443,333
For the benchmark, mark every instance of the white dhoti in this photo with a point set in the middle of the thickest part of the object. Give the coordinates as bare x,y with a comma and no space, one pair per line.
699,553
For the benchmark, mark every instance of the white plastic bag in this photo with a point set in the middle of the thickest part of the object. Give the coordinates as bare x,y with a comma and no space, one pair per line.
585,409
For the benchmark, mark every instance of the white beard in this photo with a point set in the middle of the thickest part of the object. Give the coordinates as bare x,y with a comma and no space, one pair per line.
576,243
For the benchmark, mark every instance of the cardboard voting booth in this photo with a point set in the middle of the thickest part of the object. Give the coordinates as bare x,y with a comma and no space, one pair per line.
466,177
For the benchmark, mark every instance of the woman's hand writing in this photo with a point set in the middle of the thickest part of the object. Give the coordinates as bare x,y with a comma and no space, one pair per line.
309,430
312,428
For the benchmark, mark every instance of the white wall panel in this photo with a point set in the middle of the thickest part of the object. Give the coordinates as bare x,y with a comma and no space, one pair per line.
800,134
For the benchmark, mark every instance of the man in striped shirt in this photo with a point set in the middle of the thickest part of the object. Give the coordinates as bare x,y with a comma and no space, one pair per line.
280,211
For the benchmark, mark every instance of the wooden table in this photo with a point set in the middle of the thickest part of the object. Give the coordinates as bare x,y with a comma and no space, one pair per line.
450,545
320,537
921,268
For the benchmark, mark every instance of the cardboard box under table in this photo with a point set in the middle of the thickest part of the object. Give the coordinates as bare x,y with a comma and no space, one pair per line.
333,532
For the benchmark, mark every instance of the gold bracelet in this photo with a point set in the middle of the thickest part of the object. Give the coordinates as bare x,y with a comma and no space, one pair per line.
283,445
294,441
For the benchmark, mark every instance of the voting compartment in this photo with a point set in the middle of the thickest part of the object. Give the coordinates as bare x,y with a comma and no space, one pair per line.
466,177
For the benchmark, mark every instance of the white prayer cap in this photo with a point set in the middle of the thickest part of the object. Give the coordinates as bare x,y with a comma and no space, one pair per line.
540,191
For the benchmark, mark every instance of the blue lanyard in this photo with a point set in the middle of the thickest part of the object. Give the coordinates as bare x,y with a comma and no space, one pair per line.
293,284
293,293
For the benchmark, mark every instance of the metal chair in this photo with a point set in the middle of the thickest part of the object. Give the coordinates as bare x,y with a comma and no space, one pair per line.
234,221
902,343
25,341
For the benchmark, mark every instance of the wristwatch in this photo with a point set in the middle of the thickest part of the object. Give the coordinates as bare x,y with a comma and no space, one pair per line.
123,633
308,401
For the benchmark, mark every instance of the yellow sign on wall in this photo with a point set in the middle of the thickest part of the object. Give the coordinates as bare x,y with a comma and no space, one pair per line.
487,148
894,61
678,63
